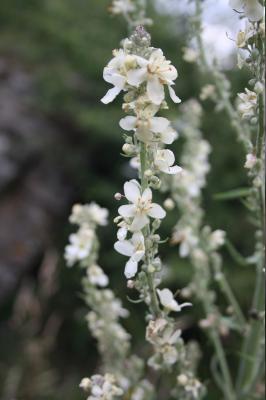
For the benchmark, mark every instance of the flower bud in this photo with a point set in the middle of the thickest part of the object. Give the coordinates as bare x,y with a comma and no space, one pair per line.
155,182
129,149
130,284
151,269
182,380
156,224
148,173
259,87
169,204
118,196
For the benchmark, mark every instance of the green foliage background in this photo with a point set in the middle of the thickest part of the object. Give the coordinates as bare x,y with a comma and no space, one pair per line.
64,45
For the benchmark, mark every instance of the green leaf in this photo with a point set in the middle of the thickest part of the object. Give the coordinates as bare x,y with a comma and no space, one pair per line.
233,194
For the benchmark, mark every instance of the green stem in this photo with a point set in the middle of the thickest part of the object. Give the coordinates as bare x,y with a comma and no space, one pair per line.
225,287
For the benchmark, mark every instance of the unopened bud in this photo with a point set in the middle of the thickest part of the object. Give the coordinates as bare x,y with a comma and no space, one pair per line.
182,379
128,149
169,204
130,284
148,173
151,269
259,88
118,196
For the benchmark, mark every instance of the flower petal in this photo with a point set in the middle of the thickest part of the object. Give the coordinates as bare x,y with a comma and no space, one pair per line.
124,247
236,4
159,124
132,191
136,76
128,123
173,96
156,211
127,211
111,95
155,90
131,269
146,195
139,222
168,136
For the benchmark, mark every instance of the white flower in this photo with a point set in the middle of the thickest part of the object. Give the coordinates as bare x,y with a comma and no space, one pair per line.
152,129
249,103
80,245
157,71
164,160
141,208
190,55
217,238
251,161
96,276
168,301
101,387
207,92
187,240
122,7
135,249
253,10
117,72
88,213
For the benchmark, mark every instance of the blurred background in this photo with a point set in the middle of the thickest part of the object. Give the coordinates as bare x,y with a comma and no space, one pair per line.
60,145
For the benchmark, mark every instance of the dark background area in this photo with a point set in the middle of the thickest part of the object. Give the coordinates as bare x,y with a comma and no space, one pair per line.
60,145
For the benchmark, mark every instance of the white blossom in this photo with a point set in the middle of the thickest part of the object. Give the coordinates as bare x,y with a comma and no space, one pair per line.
101,387
157,71
141,208
252,9
118,72
251,161
248,103
168,301
217,239
88,213
135,249
122,7
96,276
190,55
148,130
80,245
164,160
187,239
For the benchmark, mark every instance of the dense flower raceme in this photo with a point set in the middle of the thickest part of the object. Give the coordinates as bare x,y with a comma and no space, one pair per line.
252,9
105,313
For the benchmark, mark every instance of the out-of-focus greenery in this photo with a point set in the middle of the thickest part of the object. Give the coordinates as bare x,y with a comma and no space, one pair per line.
64,45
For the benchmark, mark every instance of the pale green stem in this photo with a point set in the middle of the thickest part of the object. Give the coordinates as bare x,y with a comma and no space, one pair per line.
150,276
226,288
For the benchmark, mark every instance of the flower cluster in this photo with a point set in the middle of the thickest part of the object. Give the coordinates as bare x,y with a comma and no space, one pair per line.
166,339
101,387
143,73
248,105
105,309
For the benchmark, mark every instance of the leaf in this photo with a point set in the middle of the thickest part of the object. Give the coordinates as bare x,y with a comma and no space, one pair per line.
233,194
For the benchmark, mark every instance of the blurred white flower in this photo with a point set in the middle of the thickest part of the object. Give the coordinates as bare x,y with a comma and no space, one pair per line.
101,387
187,239
88,213
208,92
168,301
96,276
248,104
190,55
141,208
164,160
217,239
252,9
135,249
80,245
122,7
251,161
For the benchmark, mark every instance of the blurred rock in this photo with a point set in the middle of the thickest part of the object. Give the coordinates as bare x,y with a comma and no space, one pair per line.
34,191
